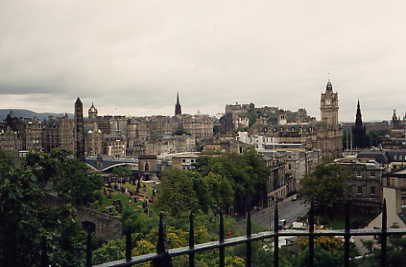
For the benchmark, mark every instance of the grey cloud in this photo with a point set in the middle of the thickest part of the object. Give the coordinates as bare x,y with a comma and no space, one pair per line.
132,56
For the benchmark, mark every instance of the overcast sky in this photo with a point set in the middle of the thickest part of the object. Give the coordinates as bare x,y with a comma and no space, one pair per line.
131,57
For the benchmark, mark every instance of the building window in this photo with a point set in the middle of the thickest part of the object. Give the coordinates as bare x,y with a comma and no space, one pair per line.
373,190
359,189
290,166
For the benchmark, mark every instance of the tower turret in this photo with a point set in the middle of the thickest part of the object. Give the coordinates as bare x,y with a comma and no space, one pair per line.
79,131
92,112
329,107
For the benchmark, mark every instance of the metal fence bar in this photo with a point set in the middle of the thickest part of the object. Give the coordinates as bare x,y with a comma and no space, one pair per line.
163,256
164,259
90,228
311,234
248,261
243,239
191,241
347,235
128,245
276,236
384,236
44,253
221,235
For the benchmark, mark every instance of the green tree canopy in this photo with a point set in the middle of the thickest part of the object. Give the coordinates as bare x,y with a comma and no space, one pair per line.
30,217
326,185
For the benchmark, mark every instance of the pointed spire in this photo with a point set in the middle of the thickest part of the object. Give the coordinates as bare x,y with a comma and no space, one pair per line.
358,117
78,101
178,108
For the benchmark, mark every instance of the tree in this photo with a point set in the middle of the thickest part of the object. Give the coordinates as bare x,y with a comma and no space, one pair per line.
176,193
122,171
246,173
327,185
69,178
221,193
31,220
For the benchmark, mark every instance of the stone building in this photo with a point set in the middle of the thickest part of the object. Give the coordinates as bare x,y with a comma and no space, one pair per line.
366,182
185,161
397,181
198,126
10,140
286,127
171,144
33,135
93,142
57,132
115,146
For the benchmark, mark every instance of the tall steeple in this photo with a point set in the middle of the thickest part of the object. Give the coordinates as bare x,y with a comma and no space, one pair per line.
79,131
358,117
178,108
359,136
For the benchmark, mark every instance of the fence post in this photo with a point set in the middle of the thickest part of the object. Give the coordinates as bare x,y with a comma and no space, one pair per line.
249,257
347,235
164,260
90,228
221,235
191,241
44,253
128,245
276,236
311,234
384,236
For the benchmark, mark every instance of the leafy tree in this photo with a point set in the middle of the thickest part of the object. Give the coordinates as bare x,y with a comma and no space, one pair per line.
176,193
122,171
31,219
220,190
71,179
327,185
246,173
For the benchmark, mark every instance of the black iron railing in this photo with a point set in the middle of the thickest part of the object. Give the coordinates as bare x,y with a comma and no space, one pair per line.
163,256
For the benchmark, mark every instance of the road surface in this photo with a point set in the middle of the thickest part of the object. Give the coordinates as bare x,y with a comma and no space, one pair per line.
288,209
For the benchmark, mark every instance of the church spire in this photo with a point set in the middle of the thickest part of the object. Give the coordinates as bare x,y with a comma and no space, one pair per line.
358,117
178,108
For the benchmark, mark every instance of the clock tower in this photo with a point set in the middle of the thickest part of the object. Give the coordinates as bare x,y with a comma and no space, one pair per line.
329,107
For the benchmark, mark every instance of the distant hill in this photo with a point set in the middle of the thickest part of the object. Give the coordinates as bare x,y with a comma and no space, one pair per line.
25,113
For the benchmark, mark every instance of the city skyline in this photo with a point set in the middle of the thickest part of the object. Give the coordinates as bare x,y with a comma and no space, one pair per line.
132,57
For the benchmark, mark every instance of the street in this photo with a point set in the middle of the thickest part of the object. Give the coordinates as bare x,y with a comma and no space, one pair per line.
288,209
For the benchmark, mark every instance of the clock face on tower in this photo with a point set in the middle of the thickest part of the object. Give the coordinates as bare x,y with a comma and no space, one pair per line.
328,101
